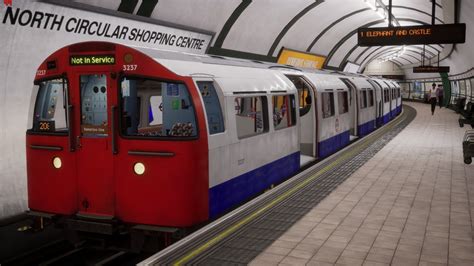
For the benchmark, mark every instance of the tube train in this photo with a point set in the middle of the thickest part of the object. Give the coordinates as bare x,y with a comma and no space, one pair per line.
135,136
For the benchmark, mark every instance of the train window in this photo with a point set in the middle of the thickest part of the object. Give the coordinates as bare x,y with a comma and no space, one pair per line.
284,110
251,116
51,105
327,104
370,94
343,105
94,121
386,96
363,99
215,121
158,109
304,94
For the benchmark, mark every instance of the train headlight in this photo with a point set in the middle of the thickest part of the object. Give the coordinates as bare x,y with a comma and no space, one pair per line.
139,168
57,163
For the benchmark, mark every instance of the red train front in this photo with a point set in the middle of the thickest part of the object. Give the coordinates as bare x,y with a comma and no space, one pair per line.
116,136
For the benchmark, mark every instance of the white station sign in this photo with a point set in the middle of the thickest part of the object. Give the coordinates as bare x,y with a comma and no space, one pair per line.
98,26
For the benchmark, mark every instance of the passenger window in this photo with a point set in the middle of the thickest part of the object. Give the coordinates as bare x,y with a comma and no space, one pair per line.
371,97
158,109
50,107
284,111
343,106
328,104
251,116
210,98
363,99
304,94
386,96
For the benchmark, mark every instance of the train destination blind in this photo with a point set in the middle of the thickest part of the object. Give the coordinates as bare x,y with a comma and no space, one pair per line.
82,60
424,34
431,69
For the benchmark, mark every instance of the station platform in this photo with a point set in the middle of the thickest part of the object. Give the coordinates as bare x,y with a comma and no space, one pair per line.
400,196
410,204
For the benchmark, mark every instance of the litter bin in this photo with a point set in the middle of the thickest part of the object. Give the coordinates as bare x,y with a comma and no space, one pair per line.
468,146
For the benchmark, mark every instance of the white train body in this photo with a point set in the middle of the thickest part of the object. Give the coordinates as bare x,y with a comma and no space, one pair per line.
329,113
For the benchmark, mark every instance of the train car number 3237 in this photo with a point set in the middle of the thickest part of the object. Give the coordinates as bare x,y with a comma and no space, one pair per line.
129,67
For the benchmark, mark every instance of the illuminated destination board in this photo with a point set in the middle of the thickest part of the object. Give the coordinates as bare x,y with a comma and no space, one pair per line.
424,34
82,60
431,69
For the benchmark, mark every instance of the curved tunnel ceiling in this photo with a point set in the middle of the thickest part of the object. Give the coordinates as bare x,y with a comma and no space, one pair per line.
258,29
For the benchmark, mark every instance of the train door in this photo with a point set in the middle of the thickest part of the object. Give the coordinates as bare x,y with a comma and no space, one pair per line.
308,118
50,164
378,102
390,99
93,134
162,156
353,107
384,105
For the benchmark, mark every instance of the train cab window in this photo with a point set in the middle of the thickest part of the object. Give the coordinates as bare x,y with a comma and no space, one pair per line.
327,104
94,121
215,121
157,109
51,107
251,116
342,100
363,99
370,94
284,111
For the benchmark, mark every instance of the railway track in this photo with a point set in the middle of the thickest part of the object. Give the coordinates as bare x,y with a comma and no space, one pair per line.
61,252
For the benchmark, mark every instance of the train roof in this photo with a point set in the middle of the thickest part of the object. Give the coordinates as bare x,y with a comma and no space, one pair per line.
189,62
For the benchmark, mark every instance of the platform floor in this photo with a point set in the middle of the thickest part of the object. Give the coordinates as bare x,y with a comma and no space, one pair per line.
411,204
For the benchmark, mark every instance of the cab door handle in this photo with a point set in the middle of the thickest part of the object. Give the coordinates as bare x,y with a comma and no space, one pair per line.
78,142
152,153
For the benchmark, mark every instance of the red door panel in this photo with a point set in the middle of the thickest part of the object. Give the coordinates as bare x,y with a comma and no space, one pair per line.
173,190
50,189
170,191
92,134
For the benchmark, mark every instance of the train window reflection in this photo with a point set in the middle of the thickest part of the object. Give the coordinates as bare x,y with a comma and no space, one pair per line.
343,106
328,104
363,99
371,97
386,96
304,94
251,116
50,108
283,111
153,108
